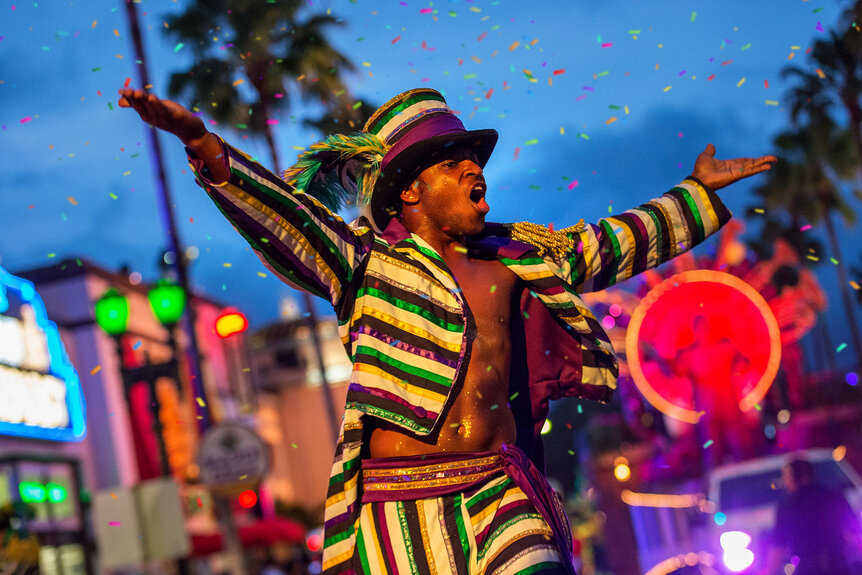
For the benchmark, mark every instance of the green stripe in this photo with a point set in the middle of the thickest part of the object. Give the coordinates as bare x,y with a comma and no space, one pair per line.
405,536
651,213
359,549
259,247
692,206
479,497
333,539
383,120
613,267
417,371
462,532
308,224
523,262
425,251
412,308
347,465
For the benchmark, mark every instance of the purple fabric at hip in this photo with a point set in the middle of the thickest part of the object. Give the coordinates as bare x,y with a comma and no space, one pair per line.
441,474
437,124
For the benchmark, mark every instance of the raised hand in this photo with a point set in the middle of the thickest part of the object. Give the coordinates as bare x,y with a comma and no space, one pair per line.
171,117
717,173
163,114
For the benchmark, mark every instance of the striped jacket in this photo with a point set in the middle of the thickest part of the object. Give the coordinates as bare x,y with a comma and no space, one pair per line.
407,329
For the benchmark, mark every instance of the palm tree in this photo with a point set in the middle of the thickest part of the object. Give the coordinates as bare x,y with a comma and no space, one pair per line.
833,75
856,270
280,52
805,186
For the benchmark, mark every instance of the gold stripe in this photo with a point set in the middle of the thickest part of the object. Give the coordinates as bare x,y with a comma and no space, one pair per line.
443,481
420,469
630,252
298,237
426,540
366,309
338,559
411,389
707,204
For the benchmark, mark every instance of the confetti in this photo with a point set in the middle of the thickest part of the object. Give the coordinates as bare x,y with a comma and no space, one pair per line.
708,443
27,119
531,142
96,370
514,45
805,228
396,39
114,523
201,402
72,201
771,102
238,82
740,83
840,348
573,185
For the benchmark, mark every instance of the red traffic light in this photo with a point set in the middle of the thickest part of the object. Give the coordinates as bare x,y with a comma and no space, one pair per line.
247,499
229,323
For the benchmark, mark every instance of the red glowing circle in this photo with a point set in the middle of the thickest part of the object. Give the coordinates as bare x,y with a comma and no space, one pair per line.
703,333
247,499
314,542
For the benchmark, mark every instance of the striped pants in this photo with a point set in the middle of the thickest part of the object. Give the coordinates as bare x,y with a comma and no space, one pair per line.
488,526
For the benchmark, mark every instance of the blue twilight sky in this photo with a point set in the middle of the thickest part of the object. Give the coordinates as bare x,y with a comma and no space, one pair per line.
600,105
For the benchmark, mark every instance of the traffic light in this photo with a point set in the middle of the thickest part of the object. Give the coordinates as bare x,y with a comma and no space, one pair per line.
248,499
230,322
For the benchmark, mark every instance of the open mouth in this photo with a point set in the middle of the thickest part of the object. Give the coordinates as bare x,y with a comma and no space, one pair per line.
477,193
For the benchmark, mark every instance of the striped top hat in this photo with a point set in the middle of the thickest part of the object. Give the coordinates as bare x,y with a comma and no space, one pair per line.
407,134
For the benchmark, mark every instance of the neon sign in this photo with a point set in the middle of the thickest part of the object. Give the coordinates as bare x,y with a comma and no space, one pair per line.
41,391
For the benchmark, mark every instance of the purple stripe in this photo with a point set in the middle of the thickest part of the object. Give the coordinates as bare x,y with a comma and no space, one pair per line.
274,248
434,125
350,514
408,492
277,184
420,412
384,536
398,344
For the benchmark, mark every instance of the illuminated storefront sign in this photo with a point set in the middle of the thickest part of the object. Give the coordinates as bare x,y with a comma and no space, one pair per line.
40,390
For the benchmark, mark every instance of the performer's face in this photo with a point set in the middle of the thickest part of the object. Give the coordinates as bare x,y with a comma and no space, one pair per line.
450,195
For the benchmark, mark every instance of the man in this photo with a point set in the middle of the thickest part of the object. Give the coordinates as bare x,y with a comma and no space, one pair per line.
814,526
460,331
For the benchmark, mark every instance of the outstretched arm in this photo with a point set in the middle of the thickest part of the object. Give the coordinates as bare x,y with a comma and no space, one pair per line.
299,239
174,119
620,246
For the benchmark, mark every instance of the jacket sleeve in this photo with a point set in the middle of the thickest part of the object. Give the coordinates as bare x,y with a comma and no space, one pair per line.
619,247
301,241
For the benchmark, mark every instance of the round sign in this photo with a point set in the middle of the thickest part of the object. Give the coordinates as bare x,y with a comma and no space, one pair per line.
701,340
232,458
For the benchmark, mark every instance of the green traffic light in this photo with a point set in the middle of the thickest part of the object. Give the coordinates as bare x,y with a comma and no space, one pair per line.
56,493
168,301
32,492
112,312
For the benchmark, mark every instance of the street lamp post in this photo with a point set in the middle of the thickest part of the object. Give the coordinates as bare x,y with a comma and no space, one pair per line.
112,315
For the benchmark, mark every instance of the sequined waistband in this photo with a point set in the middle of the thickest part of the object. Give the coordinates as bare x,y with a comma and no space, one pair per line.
397,479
